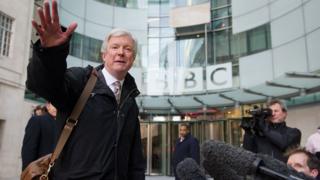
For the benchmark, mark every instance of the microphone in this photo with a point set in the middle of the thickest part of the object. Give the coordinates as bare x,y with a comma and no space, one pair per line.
220,171
246,163
188,169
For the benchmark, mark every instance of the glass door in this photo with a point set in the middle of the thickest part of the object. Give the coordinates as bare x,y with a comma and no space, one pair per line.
160,149
144,141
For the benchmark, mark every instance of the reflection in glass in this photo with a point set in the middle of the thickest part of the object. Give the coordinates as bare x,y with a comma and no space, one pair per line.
221,45
164,54
214,130
218,3
125,3
239,44
153,52
181,3
75,45
91,49
191,52
159,148
144,141
222,12
258,39
236,133
221,23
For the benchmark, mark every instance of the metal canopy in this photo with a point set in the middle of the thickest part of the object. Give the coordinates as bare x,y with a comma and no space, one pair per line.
289,85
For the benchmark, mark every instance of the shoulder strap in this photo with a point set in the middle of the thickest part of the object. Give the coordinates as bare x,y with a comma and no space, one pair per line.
72,121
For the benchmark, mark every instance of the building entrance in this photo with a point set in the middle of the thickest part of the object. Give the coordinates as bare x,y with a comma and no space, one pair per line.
158,139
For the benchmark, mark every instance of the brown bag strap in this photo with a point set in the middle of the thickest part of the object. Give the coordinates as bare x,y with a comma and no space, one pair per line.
72,121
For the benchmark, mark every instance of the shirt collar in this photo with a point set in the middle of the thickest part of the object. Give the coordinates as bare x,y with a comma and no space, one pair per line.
109,78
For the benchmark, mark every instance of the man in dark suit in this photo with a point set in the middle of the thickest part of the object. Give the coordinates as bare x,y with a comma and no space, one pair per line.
106,142
40,136
186,147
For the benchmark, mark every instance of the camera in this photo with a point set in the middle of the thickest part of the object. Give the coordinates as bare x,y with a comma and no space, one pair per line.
257,114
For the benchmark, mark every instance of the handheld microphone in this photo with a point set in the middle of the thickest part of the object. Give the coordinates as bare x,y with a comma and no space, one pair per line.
188,169
246,163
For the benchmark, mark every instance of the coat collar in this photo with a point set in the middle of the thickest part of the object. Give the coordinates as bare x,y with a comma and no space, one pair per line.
128,84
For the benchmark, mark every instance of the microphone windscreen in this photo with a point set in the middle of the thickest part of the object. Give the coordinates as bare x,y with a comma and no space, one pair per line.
188,169
219,171
244,162
238,159
281,167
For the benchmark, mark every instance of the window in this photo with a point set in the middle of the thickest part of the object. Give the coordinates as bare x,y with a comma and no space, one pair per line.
1,131
76,45
219,3
85,47
221,12
5,34
259,39
91,49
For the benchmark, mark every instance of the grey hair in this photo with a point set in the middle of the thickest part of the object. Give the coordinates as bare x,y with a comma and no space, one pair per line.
116,33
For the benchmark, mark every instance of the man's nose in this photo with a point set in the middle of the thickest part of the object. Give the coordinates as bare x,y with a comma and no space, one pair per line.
120,50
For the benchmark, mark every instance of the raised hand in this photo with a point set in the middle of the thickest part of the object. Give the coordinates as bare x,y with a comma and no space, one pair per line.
50,31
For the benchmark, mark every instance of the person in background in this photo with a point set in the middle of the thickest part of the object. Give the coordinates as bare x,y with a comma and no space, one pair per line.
186,147
40,135
303,161
275,137
313,142
38,110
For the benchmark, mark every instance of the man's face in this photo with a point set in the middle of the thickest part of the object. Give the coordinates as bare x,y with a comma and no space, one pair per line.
298,161
38,112
183,131
278,115
119,56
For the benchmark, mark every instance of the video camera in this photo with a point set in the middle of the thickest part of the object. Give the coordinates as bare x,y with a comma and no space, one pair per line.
257,114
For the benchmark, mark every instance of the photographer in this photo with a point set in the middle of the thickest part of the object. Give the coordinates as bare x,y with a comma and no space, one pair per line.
269,134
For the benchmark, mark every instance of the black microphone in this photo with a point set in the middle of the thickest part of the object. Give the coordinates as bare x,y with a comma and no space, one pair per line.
220,171
188,169
246,163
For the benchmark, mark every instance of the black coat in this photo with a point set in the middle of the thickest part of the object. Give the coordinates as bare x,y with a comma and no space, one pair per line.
106,142
189,147
39,139
276,139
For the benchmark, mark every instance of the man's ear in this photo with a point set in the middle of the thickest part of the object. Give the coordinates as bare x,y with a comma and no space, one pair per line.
314,172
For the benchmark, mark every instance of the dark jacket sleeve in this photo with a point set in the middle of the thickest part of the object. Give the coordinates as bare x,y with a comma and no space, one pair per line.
137,167
292,137
195,150
249,142
30,143
48,77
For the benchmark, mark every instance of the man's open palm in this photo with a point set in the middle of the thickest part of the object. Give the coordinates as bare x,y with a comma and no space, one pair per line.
50,30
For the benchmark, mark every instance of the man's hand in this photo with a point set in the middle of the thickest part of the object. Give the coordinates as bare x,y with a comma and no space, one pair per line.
36,168
50,31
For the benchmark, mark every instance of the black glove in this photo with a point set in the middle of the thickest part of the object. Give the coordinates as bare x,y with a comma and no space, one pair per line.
261,126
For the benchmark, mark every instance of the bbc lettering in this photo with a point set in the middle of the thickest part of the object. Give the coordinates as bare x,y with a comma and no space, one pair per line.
186,80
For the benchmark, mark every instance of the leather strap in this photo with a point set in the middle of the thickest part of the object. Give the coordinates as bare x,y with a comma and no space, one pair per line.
72,121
